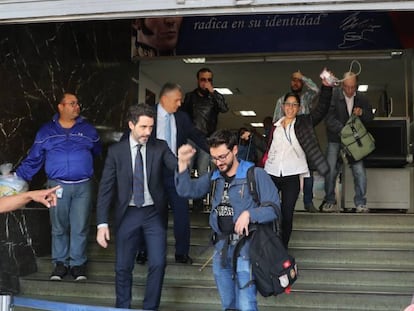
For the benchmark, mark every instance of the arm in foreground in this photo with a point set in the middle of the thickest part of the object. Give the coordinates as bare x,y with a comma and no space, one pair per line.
47,197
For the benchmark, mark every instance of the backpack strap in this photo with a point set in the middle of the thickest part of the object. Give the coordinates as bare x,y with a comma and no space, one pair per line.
236,254
251,181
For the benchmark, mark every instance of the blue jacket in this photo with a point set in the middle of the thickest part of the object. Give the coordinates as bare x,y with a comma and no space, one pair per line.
239,195
66,153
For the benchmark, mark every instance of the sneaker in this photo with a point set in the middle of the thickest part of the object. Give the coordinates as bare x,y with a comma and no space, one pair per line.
329,208
78,272
59,272
310,208
362,209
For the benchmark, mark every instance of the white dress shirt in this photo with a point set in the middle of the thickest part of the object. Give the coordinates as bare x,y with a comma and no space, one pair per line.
133,147
286,157
161,128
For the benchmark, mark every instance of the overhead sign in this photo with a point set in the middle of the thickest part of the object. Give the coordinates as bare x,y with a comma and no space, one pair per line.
272,33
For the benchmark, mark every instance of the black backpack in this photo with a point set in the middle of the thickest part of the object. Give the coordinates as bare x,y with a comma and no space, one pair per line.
273,268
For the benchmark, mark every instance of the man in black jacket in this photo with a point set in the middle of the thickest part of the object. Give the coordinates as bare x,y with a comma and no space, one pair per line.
204,105
345,101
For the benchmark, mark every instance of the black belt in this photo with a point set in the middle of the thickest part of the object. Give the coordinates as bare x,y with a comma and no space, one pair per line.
144,206
231,238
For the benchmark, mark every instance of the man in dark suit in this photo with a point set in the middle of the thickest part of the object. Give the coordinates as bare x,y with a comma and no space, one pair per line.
118,180
176,127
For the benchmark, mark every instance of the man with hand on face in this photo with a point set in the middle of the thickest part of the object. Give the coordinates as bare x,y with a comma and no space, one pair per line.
133,175
204,105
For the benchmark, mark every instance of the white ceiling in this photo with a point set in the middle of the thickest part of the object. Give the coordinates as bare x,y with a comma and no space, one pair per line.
257,85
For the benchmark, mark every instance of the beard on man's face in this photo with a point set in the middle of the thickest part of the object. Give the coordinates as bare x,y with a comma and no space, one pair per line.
225,167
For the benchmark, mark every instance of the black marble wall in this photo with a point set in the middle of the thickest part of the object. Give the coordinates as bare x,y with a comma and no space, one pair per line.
40,61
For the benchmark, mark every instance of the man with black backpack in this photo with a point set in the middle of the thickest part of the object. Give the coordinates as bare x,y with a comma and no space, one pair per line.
233,209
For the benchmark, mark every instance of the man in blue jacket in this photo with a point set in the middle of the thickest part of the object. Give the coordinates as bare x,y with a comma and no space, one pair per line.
233,208
66,147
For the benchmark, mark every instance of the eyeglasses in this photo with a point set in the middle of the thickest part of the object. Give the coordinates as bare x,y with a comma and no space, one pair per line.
73,104
220,158
206,79
291,105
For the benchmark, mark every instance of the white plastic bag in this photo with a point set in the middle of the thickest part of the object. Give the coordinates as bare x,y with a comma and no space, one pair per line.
9,183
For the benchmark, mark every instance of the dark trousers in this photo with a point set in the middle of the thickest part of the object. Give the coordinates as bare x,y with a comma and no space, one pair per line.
289,188
181,215
149,221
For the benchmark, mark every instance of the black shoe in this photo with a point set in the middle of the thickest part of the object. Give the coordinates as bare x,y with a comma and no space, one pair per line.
183,259
78,272
311,208
59,272
141,258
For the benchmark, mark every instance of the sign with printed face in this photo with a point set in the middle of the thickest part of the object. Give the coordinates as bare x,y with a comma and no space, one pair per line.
272,33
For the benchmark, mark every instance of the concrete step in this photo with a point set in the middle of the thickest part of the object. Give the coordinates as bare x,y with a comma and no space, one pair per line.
346,262
335,221
350,275
339,254
350,237
317,236
179,291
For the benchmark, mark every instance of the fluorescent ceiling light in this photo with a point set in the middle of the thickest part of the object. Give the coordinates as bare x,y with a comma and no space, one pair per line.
363,88
247,113
223,90
257,124
200,60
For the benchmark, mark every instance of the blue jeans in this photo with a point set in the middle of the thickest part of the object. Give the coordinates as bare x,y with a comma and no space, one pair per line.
358,173
232,297
308,189
70,223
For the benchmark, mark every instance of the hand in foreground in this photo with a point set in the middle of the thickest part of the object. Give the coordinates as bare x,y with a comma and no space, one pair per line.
47,196
357,111
102,236
328,79
185,153
242,224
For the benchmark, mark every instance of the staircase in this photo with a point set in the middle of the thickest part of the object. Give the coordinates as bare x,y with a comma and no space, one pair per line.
346,262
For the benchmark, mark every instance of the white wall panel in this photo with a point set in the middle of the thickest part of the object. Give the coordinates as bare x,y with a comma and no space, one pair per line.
19,11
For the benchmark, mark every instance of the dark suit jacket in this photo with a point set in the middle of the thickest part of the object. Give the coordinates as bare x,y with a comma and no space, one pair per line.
116,181
186,130
338,113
